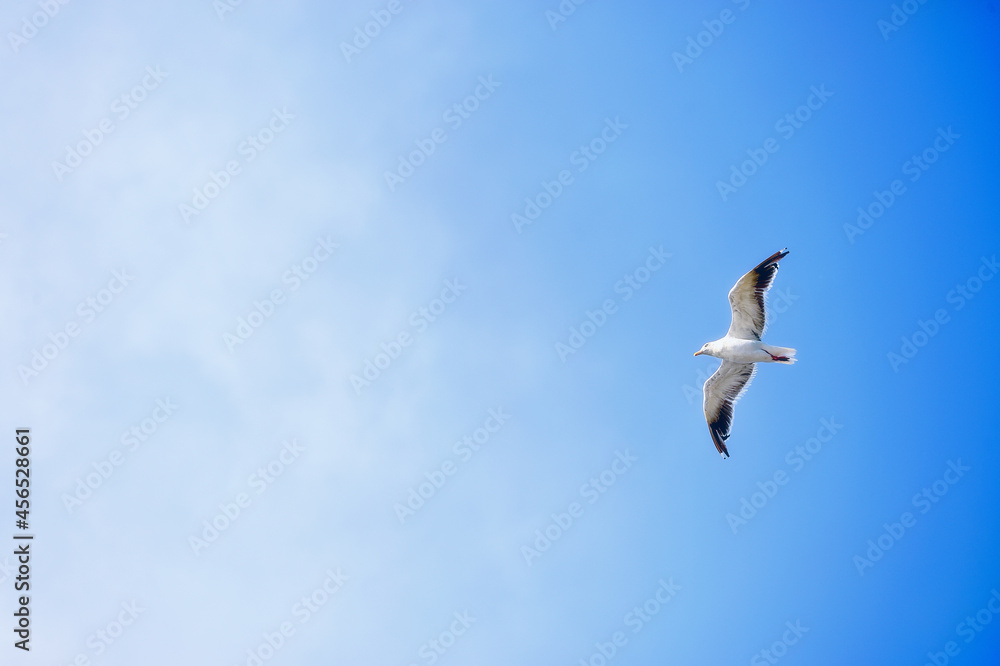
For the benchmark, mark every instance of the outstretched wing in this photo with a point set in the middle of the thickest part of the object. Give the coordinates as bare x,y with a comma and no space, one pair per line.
747,299
722,390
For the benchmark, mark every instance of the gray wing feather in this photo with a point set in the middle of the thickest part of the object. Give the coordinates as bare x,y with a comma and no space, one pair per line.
722,391
746,298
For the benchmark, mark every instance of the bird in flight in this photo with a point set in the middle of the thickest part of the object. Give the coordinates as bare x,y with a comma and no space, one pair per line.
741,349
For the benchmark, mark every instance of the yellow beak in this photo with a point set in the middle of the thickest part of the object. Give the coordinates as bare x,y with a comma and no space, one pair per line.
699,353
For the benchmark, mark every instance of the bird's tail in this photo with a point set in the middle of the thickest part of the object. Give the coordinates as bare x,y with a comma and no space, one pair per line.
787,354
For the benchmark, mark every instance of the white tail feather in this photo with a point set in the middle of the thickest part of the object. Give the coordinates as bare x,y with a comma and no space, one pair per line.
782,351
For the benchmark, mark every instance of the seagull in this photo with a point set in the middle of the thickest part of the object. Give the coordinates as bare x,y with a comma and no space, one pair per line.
741,349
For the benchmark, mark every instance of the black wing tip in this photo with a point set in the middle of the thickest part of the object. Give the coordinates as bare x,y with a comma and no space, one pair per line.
762,268
777,256
720,442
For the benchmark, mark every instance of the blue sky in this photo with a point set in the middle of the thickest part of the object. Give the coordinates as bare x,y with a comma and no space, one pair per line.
402,519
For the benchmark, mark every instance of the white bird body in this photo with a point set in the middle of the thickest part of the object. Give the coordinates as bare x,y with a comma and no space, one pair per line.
741,349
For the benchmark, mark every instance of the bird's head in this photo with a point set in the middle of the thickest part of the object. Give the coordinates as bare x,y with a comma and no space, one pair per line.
705,349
